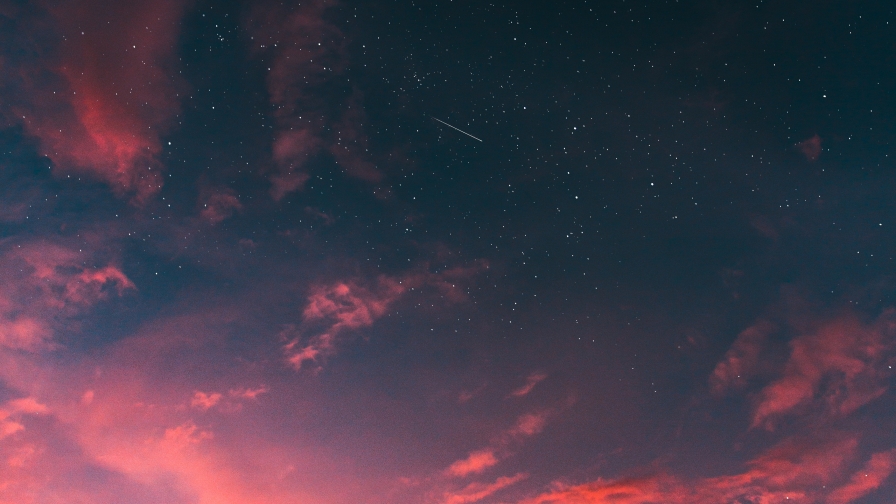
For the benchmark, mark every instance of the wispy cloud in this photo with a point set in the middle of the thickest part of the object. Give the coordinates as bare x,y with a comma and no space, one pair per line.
533,380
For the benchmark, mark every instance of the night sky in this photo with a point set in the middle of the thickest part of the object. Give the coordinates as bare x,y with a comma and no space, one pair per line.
447,252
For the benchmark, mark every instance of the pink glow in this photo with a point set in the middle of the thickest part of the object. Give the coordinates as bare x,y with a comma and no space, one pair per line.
120,97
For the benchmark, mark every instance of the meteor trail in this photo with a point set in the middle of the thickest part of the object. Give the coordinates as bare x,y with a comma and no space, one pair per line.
458,129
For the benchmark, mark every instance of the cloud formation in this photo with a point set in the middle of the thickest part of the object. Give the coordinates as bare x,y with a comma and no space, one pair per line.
807,471
46,283
839,365
475,492
218,205
343,306
477,462
533,380
93,82
307,58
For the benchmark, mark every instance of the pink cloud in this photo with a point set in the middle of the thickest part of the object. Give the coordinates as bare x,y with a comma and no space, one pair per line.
336,308
134,429
533,380
838,365
292,150
23,333
795,471
867,479
204,401
248,393
501,447
530,424
13,410
475,463
45,283
475,492
100,102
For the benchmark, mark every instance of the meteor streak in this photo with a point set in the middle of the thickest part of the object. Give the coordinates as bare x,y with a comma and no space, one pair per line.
458,129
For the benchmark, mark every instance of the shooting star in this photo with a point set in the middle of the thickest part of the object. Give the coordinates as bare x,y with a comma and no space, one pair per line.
458,129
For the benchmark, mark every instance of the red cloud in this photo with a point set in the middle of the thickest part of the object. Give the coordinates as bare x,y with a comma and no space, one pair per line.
839,364
806,471
651,490
100,98
867,479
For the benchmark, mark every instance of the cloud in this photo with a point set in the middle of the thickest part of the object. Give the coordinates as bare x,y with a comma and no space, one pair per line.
805,470
475,492
307,57
218,205
475,463
93,83
741,361
340,307
16,408
204,401
529,424
867,479
134,441
838,365
810,148
343,306
478,461
649,490
248,393
533,380
46,283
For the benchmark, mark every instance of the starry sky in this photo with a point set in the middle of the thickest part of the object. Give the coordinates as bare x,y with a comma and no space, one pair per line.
447,252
